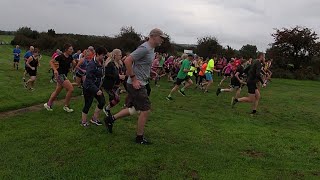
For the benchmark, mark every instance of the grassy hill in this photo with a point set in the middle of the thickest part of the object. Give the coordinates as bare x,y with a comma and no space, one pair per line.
198,136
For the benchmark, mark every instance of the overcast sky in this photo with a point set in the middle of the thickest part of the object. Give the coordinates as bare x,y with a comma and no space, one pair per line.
233,22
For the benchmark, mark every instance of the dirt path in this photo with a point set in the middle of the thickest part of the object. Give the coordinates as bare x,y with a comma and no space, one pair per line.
34,108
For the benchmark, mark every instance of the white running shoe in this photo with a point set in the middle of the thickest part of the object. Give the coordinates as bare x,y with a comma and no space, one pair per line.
67,109
48,108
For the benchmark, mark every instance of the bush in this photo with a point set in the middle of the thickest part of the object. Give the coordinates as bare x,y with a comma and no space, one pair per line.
303,74
46,42
281,73
22,41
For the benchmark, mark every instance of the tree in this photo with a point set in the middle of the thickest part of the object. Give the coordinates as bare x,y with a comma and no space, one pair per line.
207,46
25,31
229,53
51,32
128,39
296,46
248,51
166,46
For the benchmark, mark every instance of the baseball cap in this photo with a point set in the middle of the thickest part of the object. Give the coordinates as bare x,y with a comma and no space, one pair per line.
157,32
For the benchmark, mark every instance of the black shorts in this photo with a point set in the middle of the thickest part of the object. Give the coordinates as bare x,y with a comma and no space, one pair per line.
227,75
61,78
252,86
179,81
167,70
32,72
16,60
138,98
80,74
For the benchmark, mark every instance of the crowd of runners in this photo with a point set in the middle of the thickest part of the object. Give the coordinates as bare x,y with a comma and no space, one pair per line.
101,73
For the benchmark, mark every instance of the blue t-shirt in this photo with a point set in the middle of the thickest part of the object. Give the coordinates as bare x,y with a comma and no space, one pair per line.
76,56
27,55
16,51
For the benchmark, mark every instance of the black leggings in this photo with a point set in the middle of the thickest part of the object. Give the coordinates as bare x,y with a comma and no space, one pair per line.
88,99
197,77
201,79
114,98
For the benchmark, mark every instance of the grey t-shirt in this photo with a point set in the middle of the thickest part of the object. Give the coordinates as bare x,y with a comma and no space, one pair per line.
142,61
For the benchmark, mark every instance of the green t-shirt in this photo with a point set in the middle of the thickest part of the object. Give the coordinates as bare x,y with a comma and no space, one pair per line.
210,66
161,62
185,65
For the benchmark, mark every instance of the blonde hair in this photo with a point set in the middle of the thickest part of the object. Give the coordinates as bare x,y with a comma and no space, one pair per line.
86,53
114,53
184,56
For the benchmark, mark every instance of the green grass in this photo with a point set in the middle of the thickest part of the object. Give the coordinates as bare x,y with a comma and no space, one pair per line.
13,95
194,136
6,38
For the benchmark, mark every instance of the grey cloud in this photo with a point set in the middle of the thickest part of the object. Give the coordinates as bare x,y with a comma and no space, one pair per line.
233,22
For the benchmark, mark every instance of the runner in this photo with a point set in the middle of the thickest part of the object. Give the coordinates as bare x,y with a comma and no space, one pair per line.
254,76
162,59
236,82
113,78
54,55
80,70
209,71
168,65
76,56
61,73
227,71
92,87
268,71
32,66
155,69
202,74
16,57
26,57
138,66
220,66
196,63
183,76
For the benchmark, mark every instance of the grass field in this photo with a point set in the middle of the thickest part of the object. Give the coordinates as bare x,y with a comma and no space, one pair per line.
6,39
198,136
13,95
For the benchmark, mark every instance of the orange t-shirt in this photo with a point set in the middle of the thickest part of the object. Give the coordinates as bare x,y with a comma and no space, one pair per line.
203,69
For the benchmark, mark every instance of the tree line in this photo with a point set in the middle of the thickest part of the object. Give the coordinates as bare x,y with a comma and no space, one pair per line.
295,51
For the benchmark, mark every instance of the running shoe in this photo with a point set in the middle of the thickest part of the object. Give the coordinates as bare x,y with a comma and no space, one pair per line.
142,141
106,111
109,120
182,93
169,98
31,89
67,109
218,91
26,85
233,102
84,124
47,107
96,122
